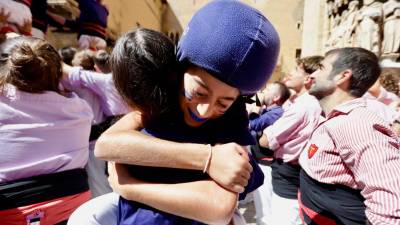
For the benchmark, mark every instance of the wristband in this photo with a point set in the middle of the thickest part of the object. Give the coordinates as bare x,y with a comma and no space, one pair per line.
208,159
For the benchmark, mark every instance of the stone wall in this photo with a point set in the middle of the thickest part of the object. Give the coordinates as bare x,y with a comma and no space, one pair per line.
370,24
286,15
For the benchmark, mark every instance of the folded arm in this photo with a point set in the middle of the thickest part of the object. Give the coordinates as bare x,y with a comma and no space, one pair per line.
203,200
123,143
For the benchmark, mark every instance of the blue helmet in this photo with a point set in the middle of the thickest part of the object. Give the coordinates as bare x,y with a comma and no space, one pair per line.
232,41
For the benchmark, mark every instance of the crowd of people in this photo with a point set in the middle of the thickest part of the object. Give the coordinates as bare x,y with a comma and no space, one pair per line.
153,133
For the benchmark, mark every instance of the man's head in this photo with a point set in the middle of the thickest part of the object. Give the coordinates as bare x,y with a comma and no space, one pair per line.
230,49
275,94
352,70
299,77
101,61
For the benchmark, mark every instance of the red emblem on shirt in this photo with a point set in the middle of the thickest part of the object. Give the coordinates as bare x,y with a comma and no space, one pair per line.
312,150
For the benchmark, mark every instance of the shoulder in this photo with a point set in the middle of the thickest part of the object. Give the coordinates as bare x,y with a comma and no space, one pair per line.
359,123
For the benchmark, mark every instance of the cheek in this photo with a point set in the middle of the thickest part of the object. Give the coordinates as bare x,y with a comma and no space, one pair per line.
187,95
296,80
328,84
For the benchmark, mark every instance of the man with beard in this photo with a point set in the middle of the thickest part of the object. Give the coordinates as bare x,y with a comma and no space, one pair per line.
351,163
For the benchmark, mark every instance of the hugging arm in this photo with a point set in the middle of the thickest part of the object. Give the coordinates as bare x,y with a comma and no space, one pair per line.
203,200
123,143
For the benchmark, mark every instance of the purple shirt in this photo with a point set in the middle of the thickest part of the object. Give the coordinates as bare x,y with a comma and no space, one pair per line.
288,135
100,84
267,118
42,133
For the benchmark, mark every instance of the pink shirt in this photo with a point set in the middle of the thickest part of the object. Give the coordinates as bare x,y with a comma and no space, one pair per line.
356,148
388,114
98,90
385,96
100,84
41,133
288,135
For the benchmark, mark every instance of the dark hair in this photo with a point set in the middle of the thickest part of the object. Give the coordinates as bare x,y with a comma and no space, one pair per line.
283,92
84,59
144,69
363,64
67,54
30,64
309,64
101,59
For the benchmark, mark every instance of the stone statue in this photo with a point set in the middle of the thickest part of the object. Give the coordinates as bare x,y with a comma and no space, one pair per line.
369,29
330,17
330,7
351,24
336,36
335,7
338,3
341,30
391,34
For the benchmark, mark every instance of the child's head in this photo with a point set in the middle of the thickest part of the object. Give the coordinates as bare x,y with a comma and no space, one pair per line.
101,61
84,59
231,49
67,54
233,42
143,64
30,64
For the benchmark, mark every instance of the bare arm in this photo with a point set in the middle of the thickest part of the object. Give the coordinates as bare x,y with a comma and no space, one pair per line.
264,141
66,69
123,143
190,200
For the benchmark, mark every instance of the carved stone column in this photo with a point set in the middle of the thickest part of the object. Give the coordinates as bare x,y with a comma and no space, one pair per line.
369,30
391,30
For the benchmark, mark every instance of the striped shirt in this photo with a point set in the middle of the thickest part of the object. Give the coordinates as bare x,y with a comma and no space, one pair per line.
356,148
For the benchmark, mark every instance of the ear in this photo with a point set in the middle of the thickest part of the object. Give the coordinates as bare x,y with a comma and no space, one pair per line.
344,77
276,99
308,81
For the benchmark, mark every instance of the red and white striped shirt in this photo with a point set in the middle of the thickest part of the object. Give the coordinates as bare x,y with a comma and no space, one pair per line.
356,148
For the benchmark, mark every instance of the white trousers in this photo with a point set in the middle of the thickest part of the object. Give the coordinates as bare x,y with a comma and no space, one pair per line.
102,210
95,169
284,211
263,197
37,33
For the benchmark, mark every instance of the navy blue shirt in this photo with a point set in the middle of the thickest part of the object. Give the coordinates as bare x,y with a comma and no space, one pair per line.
92,19
232,127
267,118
